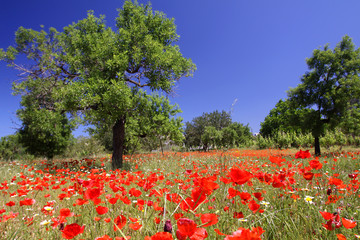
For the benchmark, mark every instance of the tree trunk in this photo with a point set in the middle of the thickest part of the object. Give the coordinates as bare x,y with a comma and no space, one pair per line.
161,146
317,146
118,143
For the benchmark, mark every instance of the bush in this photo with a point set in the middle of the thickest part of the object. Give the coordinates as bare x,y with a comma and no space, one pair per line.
84,147
10,148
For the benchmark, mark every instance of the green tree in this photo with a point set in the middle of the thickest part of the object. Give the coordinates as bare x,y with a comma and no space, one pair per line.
196,128
242,133
326,90
211,137
10,147
215,129
284,117
102,76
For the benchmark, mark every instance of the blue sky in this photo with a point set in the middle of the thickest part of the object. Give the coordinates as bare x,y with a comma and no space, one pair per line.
252,51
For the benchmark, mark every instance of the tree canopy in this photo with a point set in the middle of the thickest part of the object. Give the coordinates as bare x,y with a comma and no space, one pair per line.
215,129
285,117
103,77
329,87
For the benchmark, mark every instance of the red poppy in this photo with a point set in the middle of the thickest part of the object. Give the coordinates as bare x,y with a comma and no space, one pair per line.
209,218
348,223
112,200
160,236
253,206
134,192
308,176
315,164
238,215
72,230
101,210
65,212
232,193
246,234
258,195
120,222
218,232
239,176
335,181
277,160
340,236
303,154
92,193
135,226
326,215
105,237
186,228
27,202
245,196
10,204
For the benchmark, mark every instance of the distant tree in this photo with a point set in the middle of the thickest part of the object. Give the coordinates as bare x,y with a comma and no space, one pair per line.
101,76
196,128
211,137
10,147
215,129
243,133
332,82
350,121
285,117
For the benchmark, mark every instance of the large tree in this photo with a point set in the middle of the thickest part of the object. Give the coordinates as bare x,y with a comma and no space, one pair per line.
330,85
104,76
284,117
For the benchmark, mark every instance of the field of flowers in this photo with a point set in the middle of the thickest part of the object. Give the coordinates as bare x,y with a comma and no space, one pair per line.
234,194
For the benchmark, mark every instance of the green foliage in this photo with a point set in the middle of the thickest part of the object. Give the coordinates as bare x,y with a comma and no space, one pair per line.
44,133
211,137
84,147
154,126
11,148
285,117
328,88
100,76
216,129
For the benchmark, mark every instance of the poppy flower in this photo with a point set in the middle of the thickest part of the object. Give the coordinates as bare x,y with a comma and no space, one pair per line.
218,232
303,154
105,237
315,164
340,236
238,215
276,160
160,236
101,210
120,222
65,212
186,228
308,176
253,206
72,230
167,226
10,204
135,226
246,234
134,192
92,193
239,176
348,223
209,218
27,202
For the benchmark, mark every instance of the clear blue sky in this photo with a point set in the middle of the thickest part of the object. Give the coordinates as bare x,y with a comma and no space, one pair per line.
252,51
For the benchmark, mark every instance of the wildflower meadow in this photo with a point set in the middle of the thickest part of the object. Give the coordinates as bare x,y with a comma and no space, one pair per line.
233,194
